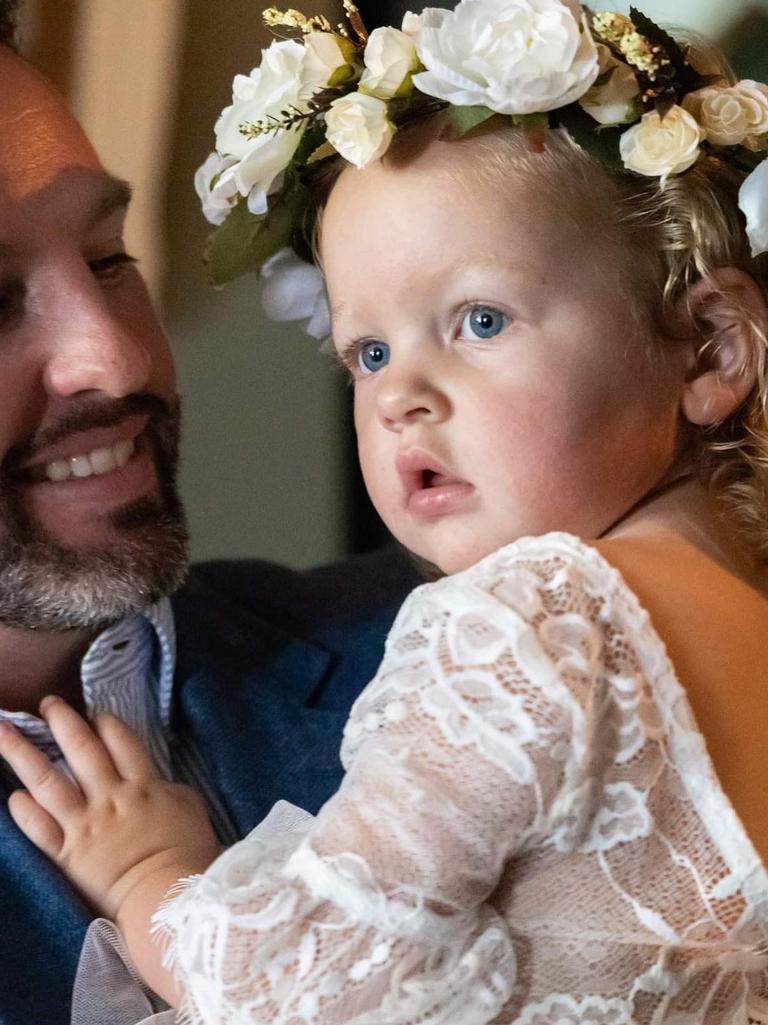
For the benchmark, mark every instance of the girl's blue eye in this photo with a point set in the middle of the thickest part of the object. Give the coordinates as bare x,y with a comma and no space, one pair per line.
483,322
373,356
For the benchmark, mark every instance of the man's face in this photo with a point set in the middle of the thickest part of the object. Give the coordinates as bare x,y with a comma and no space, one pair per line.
90,524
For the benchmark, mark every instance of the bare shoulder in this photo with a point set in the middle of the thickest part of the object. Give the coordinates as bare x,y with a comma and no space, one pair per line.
714,626
664,569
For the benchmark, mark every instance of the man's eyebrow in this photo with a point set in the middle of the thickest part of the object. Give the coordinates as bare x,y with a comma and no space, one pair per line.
115,195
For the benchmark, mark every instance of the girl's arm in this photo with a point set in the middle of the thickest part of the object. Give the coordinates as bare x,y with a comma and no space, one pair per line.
121,833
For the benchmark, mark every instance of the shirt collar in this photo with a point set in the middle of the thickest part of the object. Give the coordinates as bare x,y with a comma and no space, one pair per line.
152,636
149,642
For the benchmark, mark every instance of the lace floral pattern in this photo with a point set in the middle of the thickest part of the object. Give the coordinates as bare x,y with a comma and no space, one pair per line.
529,830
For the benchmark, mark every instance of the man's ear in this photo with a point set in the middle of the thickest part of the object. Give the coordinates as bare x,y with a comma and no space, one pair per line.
724,315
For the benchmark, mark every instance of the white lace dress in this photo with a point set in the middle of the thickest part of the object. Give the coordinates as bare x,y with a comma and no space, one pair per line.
530,830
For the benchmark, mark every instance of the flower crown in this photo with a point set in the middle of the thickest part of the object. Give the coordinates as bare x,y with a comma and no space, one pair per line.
621,86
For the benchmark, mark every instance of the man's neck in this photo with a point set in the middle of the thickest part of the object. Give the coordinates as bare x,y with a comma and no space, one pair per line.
35,663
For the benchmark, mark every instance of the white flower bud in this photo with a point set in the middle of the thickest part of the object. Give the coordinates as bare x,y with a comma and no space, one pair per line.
358,128
390,59
658,148
328,61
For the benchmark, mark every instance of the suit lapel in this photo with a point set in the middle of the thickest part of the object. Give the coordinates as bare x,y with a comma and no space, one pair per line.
250,718
43,925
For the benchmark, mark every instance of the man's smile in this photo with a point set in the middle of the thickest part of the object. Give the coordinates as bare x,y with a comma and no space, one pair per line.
95,452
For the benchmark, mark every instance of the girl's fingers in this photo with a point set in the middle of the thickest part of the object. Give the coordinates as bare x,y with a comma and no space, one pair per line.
55,792
36,824
88,759
128,754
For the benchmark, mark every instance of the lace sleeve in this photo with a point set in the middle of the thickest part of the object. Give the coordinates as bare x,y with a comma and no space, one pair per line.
458,755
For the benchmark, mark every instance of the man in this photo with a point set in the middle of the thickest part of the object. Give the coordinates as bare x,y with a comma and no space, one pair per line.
248,700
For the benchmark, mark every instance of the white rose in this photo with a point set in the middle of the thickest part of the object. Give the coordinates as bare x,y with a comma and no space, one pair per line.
657,147
329,60
270,89
732,114
613,101
514,56
216,188
295,290
753,203
358,128
390,58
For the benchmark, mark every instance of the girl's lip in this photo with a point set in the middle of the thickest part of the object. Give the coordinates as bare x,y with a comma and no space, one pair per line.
440,499
417,467
430,488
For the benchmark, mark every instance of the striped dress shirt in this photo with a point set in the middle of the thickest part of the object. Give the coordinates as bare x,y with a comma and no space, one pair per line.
128,670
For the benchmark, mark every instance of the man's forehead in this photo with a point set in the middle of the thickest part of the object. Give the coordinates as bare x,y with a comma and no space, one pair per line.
75,203
39,137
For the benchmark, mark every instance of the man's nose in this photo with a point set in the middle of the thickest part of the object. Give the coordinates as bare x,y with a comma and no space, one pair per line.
90,348
410,392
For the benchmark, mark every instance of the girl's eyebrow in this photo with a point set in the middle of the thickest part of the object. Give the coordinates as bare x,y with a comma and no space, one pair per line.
338,310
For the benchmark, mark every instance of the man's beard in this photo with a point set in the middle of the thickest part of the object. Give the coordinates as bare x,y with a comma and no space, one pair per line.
46,585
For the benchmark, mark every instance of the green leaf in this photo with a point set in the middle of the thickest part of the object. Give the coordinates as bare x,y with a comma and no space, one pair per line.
599,141
461,120
312,139
530,122
245,241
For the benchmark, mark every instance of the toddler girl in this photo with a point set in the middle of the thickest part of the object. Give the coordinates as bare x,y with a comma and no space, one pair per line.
553,808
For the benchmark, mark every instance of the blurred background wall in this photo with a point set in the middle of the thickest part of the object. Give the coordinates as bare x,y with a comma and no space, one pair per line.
268,462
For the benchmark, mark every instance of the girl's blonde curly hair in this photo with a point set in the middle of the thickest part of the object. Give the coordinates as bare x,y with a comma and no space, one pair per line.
673,234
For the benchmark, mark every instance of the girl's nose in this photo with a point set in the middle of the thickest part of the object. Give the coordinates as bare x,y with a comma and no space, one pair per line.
410,395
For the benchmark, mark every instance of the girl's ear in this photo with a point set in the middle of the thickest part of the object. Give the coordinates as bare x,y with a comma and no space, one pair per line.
724,315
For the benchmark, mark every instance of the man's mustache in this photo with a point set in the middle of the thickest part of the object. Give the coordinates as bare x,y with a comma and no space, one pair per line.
86,417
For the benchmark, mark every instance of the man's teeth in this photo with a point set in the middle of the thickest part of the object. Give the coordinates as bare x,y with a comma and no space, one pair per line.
94,464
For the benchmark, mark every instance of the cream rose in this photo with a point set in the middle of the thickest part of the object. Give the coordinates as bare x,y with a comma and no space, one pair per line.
359,128
329,60
390,59
270,89
753,203
614,101
514,56
658,148
730,115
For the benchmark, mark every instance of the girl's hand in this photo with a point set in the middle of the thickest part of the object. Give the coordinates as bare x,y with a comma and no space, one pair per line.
119,825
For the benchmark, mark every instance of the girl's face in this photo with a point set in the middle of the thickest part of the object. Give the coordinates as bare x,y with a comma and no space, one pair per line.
501,387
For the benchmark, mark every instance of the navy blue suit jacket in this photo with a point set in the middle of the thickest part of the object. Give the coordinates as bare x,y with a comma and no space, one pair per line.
269,662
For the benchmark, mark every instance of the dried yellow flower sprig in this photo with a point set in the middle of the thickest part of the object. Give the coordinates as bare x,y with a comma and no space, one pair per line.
275,18
617,30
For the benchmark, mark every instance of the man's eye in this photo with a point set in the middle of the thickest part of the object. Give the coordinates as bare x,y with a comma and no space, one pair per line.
372,356
111,267
13,296
483,322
